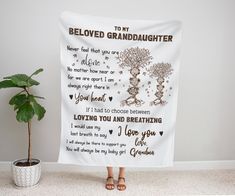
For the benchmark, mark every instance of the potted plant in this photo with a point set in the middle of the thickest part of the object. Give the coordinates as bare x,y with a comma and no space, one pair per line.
26,172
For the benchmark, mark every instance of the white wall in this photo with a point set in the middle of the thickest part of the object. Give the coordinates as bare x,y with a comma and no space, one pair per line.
29,39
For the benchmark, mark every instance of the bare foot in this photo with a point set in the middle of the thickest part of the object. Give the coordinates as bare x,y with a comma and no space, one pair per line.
109,183
121,184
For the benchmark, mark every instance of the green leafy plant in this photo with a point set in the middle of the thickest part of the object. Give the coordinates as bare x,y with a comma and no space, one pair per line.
25,103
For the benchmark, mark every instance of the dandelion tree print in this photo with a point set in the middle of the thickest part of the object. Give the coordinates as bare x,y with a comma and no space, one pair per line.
134,59
160,71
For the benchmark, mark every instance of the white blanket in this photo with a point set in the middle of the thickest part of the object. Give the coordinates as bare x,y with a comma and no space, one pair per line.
119,85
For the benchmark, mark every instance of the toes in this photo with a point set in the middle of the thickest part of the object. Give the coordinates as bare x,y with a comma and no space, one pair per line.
121,187
109,186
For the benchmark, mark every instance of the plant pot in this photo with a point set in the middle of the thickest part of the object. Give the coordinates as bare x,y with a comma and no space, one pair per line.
26,176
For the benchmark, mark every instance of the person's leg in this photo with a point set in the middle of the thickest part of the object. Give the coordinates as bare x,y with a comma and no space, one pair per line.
121,179
109,183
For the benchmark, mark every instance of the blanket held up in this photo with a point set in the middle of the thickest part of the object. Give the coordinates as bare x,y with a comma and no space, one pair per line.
119,85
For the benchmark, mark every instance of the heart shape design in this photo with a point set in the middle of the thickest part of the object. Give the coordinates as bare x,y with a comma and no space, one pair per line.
161,133
71,96
110,131
110,98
